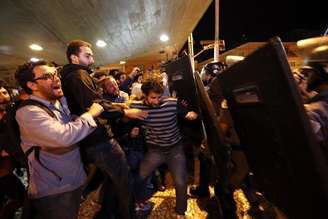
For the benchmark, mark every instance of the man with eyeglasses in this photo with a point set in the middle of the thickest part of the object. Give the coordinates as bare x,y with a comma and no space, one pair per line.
100,147
56,173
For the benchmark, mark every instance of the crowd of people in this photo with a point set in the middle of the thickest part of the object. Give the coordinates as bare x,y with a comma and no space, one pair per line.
124,126
79,121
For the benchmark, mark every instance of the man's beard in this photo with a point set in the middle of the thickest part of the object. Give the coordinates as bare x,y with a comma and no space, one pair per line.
86,65
3,106
53,94
4,103
55,97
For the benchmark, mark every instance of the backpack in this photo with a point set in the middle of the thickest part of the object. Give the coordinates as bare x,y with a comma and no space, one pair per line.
13,146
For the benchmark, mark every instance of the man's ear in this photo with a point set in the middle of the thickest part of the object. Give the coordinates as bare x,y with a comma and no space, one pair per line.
74,59
31,85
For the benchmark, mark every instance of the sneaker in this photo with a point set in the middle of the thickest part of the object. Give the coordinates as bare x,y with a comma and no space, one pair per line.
144,209
161,188
196,191
144,206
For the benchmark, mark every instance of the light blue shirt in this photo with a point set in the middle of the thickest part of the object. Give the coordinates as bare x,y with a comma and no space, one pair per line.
38,128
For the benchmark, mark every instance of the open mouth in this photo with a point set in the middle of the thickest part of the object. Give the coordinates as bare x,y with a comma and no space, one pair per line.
57,87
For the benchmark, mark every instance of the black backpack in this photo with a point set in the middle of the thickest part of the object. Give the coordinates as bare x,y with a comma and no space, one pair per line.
13,146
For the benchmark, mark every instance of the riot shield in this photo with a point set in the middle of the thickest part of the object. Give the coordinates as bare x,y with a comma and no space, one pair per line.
180,77
181,80
190,87
272,124
214,135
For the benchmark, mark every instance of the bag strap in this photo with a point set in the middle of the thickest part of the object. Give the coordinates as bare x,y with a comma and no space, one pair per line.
37,149
37,156
36,103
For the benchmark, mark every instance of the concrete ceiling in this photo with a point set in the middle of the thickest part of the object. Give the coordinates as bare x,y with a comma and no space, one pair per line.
131,28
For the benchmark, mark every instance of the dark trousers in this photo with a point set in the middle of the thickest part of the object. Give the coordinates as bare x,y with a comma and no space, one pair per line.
12,187
204,172
109,157
64,205
13,192
175,158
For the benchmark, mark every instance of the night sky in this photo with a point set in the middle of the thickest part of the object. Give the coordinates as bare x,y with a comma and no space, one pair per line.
259,20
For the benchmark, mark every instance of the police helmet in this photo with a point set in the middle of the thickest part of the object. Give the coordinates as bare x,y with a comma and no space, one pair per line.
316,65
317,74
214,68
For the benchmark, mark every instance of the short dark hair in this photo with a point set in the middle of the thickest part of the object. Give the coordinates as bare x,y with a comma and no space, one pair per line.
113,72
73,48
117,76
4,84
152,84
101,83
24,73
99,74
317,75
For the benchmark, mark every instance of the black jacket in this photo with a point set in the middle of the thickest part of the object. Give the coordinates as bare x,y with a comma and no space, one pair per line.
81,91
3,135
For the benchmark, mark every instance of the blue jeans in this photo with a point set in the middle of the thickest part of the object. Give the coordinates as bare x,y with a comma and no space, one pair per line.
175,158
134,159
64,205
109,157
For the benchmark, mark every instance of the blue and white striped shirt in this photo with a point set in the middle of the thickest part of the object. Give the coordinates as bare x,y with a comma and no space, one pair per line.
161,125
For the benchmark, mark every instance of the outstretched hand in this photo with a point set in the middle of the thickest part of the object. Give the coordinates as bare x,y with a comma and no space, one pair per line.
134,132
95,110
135,114
191,115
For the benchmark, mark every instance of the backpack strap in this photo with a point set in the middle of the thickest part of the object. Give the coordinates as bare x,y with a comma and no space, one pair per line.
36,103
37,149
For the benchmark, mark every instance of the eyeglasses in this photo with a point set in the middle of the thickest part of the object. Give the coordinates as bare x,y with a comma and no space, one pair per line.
4,92
47,76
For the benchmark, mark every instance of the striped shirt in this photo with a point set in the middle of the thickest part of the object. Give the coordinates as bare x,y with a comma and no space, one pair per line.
161,124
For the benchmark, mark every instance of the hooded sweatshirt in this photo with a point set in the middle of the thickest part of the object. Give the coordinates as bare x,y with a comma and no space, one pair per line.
81,92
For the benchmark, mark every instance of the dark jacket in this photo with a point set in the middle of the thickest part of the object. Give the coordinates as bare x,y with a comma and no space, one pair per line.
81,91
3,135
126,141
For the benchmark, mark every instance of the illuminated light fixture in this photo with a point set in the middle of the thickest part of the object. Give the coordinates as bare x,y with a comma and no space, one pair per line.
122,62
101,43
312,43
34,59
36,47
231,59
320,49
164,38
